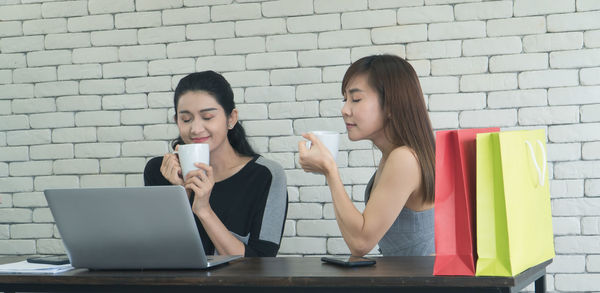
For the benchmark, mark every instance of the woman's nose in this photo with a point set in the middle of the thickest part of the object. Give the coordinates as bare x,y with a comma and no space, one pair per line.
346,109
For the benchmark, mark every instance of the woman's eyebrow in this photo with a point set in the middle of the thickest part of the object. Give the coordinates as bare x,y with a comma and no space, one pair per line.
201,111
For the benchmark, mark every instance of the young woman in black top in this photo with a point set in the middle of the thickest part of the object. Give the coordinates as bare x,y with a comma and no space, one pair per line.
240,200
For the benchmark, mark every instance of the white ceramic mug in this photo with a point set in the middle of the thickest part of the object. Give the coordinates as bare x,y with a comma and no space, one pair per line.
329,138
192,153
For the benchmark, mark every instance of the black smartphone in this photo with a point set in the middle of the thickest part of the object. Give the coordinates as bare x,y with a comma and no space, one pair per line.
50,260
352,261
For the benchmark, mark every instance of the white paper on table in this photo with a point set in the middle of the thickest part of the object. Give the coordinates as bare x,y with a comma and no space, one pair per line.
24,267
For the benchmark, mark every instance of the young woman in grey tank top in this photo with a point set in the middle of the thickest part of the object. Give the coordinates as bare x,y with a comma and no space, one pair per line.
383,103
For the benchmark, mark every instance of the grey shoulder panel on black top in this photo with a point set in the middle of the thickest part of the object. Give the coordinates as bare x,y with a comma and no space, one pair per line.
275,207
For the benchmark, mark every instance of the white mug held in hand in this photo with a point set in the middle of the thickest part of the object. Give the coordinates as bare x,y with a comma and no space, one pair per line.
192,153
329,138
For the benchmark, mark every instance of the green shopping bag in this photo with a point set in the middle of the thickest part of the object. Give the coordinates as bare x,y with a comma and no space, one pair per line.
513,217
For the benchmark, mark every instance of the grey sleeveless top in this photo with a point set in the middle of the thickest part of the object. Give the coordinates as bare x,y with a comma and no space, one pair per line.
411,234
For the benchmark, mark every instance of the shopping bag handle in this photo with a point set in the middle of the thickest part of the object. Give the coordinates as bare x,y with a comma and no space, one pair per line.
541,173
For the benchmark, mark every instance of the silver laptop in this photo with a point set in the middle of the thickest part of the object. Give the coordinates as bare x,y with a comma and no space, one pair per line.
149,227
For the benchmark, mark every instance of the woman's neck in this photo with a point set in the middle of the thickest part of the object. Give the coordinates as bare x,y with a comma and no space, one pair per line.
225,161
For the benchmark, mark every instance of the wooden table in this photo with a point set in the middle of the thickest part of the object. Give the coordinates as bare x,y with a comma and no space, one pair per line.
283,274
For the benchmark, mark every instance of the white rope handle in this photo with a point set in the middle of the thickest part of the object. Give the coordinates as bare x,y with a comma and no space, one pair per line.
542,172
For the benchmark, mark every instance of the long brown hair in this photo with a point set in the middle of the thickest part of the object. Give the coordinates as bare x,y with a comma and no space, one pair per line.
406,122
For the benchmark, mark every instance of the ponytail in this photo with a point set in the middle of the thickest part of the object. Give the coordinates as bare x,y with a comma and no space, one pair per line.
239,142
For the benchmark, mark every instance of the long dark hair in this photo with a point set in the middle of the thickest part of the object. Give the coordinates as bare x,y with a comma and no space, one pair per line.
406,121
218,87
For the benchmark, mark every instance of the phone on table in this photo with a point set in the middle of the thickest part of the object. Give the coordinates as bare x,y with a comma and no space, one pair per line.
50,260
351,261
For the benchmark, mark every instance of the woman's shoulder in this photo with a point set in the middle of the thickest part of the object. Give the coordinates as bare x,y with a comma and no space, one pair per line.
404,158
269,165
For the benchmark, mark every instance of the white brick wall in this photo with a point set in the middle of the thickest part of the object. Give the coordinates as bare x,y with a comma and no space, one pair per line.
86,92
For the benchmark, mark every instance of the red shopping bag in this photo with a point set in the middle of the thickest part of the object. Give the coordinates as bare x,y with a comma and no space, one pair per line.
455,248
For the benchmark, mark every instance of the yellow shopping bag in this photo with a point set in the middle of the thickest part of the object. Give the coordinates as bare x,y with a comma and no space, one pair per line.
513,217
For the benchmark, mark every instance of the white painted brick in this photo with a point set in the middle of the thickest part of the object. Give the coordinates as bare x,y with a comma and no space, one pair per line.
363,158
122,165
76,166
51,57
221,63
592,187
34,105
190,49
252,111
590,113
334,73
330,108
566,226
593,263
540,7
42,215
160,100
458,66
583,5
433,50
11,154
64,9
90,23
287,8
247,78
31,168
161,131
516,26
15,184
137,19
589,76
82,71
97,150
356,175
567,264
125,69
576,169
102,181
38,74
368,19
573,21
548,115
78,103
148,84
563,151
492,46
286,144
332,124
114,37
95,55
574,95
28,137
380,4
25,231
52,120
4,231
575,206
400,34
315,194
313,23
110,6
454,102
270,94
142,5
52,89
592,38
11,29
484,10
318,228
68,40
235,12
305,211
16,91
260,27
12,60
78,134
344,38
240,45
20,12
161,35
291,42
575,59
573,133
295,76
18,247
5,107
145,52
50,246
29,200
268,127
359,52
5,76
97,118
488,118
320,91
289,228
101,86
329,6
13,122
439,85
120,133
146,116
425,14
44,26
274,60
456,30
324,57
297,245
51,151
171,66
591,225
185,15
591,151
577,244
261,146
293,110
566,188
519,62
548,78
210,31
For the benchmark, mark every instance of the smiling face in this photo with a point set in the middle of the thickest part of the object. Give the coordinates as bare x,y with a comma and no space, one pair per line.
362,110
201,119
